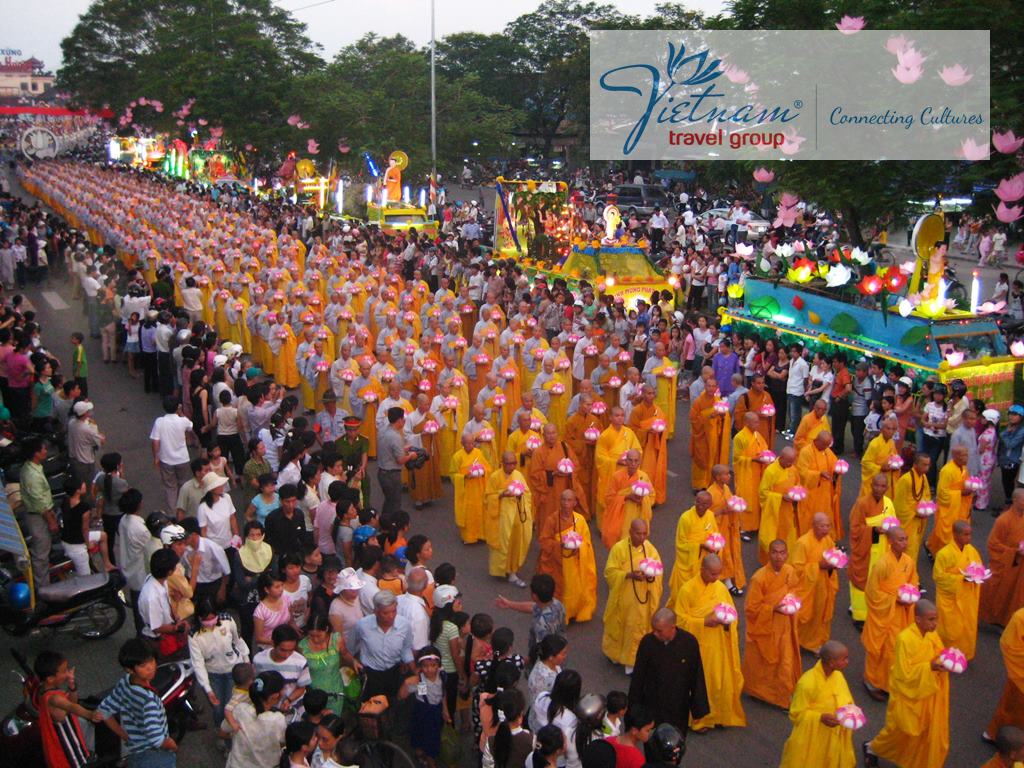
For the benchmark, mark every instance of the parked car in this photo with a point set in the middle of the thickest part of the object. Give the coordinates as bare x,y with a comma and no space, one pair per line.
638,198
719,218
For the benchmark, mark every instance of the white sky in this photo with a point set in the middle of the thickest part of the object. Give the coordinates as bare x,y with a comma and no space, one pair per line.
331,23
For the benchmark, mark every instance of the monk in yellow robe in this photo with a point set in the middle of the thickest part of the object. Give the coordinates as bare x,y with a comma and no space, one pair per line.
733,574
470,490
661,372
752,401
811,424
952,499
877,456
865,545
508,520
287,370
573,569
576,436
709,435
610,455
1003,594
916,732
887,614
694,605
911,489
816,465
748,444
818,583
1011,704
642,418
623,504
547,481
425,482
779,513
955,597
771,661
692,531
633,596
817,738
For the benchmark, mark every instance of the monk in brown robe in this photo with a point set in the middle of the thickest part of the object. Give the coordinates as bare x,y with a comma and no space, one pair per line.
865,546
752,401
816,464
642,420
575,435
733,575
709,435
1003,594
547,481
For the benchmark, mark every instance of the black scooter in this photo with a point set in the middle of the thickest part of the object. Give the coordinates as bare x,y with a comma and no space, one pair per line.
91,607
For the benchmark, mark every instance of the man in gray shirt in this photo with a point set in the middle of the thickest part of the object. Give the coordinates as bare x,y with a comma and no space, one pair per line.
392,455
966,436
862,389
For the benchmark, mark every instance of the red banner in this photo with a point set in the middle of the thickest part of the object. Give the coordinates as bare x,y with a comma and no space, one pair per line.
55,111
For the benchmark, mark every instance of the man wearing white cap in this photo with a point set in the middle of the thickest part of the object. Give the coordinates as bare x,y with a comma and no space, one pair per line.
84,439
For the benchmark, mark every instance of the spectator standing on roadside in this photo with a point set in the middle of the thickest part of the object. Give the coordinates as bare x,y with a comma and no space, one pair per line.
170,449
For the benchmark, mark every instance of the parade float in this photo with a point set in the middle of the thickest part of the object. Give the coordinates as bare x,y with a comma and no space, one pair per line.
137,151
388,203
538,224
907,314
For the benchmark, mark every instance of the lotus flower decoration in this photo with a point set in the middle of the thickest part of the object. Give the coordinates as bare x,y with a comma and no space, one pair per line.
566,466
835,557
842,467
614,382
767,410
485,435
476,470
715,542
766,457
431,427
908,594
599,408
851,717
424,385
591,434
572,540
797,493
721,407
926,508
973,484
642,488
953,660
736,504
533,443
790,604
515,488
976,573
651,567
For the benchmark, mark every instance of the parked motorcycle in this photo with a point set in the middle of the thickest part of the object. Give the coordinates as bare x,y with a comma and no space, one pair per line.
20,740
91,607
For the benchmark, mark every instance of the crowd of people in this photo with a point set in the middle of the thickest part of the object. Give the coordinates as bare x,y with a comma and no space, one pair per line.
287,358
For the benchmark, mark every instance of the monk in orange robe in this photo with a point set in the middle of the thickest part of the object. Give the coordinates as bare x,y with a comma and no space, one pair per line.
779,512
610,455
818,583
747,446
1011,705
865,548
622,504
887,614
753,401
709,435
644,420
574,570
816,464
811,424
733,575
771,661
576,429
1003,594
547,481
952,498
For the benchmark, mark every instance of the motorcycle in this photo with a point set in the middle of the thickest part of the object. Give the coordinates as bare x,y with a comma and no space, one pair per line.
20,739
90,606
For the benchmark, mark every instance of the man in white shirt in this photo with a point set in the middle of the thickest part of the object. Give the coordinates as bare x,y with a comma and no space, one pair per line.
212,579
658,224
91,287
796,384
413,608
369,568
154,604
170,450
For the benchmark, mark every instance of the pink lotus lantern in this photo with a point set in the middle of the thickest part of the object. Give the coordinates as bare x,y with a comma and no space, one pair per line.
424,385
927,508
973,484
515,488
790,604
726,613
562,365
894,462
467,308
572,540
431,427
482,360
539,352
851,717
651,567
642,488
500,400
496,315
908,594
736,504
614,382
461,343
490,334
347,375
476,470
976,573
557,388
953,660
323,366
572,338
238,306
517,338
533,443
485,435
508,374
721,407
796,493
766,457
409,317
451,402
715,542
889,523
669,372
835,557
659,425
566,466
224,295
842,467
590,350
531,322
281,333
767,410
345,315
429,364
411,349
599,408
437,338
535,425
624,357
591,434
370,397
458,381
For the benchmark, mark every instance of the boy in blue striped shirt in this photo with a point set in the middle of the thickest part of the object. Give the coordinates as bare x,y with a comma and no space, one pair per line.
134,711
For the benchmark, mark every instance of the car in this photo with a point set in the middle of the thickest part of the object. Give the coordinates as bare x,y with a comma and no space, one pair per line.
399,220
638,198
719,218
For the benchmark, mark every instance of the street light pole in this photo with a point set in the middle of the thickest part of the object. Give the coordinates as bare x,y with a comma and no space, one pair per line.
433,107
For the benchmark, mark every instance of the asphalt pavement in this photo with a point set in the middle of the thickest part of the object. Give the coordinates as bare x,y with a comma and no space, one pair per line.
124,414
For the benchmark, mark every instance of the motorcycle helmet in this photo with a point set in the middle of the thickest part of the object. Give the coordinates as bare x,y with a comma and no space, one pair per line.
591,708
19,595
958,388
155,522
667,744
